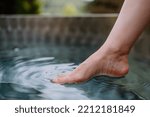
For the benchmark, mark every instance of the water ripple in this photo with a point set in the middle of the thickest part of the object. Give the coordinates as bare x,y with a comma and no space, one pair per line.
36,74
26,74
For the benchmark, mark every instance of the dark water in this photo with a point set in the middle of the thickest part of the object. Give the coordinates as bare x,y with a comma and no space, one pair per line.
26,73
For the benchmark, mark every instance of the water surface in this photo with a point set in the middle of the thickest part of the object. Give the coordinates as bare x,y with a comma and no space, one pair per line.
25,73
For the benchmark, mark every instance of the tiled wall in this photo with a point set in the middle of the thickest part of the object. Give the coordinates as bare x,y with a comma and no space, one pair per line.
24,31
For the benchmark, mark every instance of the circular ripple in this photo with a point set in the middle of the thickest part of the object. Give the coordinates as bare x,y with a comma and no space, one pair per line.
36,74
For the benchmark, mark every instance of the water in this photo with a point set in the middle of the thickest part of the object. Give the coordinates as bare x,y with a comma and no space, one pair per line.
25,73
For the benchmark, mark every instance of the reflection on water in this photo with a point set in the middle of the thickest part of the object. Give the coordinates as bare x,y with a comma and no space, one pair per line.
26,74
138,79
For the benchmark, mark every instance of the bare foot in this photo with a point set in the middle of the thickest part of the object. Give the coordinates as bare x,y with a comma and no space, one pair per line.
102,62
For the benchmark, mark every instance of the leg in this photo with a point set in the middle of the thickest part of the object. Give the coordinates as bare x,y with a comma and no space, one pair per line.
112,58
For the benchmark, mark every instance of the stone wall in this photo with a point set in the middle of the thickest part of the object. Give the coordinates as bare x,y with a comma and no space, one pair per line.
24,31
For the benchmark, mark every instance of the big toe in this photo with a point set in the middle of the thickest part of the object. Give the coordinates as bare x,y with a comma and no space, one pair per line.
68,78
63,79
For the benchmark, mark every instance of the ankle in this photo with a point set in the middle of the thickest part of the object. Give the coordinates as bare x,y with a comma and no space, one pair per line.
114,50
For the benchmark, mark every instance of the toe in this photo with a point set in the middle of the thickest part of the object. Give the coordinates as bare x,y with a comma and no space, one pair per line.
69,78
61,80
